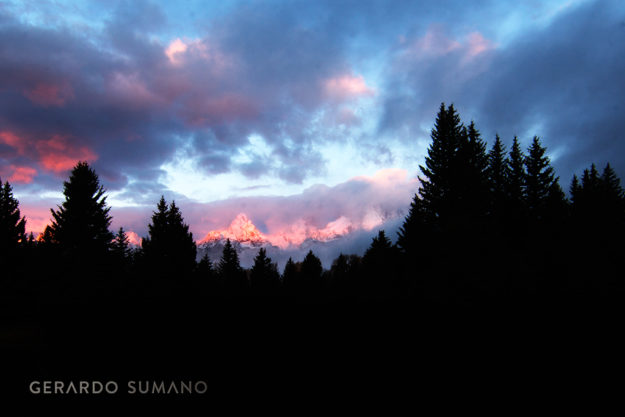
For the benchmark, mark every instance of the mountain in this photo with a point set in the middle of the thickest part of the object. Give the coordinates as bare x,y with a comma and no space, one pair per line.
339,236
241,230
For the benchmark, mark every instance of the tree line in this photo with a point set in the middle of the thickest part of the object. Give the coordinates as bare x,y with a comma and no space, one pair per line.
484,224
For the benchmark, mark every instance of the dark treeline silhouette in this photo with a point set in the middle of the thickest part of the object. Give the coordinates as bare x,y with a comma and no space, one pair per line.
488,231
485,225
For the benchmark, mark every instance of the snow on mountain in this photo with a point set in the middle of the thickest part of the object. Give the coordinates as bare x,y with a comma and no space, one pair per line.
241,230
338,236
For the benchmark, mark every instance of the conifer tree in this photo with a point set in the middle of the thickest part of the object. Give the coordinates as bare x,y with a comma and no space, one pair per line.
379,252
169,248
439,184
575,190
81,223
516,177
416,227
310,274
205,267
289,275
613,194
121,245
497,178
380,264
230,271
540,180
264,274
12,223
471,181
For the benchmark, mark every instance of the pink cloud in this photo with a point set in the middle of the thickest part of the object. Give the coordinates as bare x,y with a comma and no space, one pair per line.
176,47
133,238
50,94
16,142
22,174
477,44
435,43
347,86
58,154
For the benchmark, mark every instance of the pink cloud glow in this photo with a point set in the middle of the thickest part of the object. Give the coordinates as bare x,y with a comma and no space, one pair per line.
58,155
50,94
320,213
133,238
347,86
14,141
22,174
435,43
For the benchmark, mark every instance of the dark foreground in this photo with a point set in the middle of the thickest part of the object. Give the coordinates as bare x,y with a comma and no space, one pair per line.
285,356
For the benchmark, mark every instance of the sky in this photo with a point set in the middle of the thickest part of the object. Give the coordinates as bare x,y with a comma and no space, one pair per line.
306,116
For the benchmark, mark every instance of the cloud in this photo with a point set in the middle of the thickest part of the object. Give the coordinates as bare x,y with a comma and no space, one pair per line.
21,174
320,212
561,80
133,99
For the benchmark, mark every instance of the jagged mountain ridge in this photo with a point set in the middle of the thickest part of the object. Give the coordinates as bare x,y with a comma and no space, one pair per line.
327,244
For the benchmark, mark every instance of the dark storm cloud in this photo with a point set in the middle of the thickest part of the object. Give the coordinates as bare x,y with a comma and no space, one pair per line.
563,82
129,98
125,101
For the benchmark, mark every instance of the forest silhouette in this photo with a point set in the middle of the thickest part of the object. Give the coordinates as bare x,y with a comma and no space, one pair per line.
484,226
490,237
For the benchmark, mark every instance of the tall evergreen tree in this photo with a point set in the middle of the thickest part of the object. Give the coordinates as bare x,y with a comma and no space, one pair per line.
81,223
169,248
471,182
516,177
121,245
380,264
311,274
230,271
290,274
497,178
613,195
264,274
12,224
439,184
416,227
540,180
575,190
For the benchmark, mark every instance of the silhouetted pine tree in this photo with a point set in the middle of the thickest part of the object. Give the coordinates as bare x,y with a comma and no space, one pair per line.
264,276
12,232
205,267
230,272
380,266
311,275
613,196
416,228
540,182
169,249
497,180
440,182
120,247
472,186
206,276
290,275
81,224
12,224
575,190
516,176
183,249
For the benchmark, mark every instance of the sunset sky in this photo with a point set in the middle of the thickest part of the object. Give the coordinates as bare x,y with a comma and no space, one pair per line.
307,116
